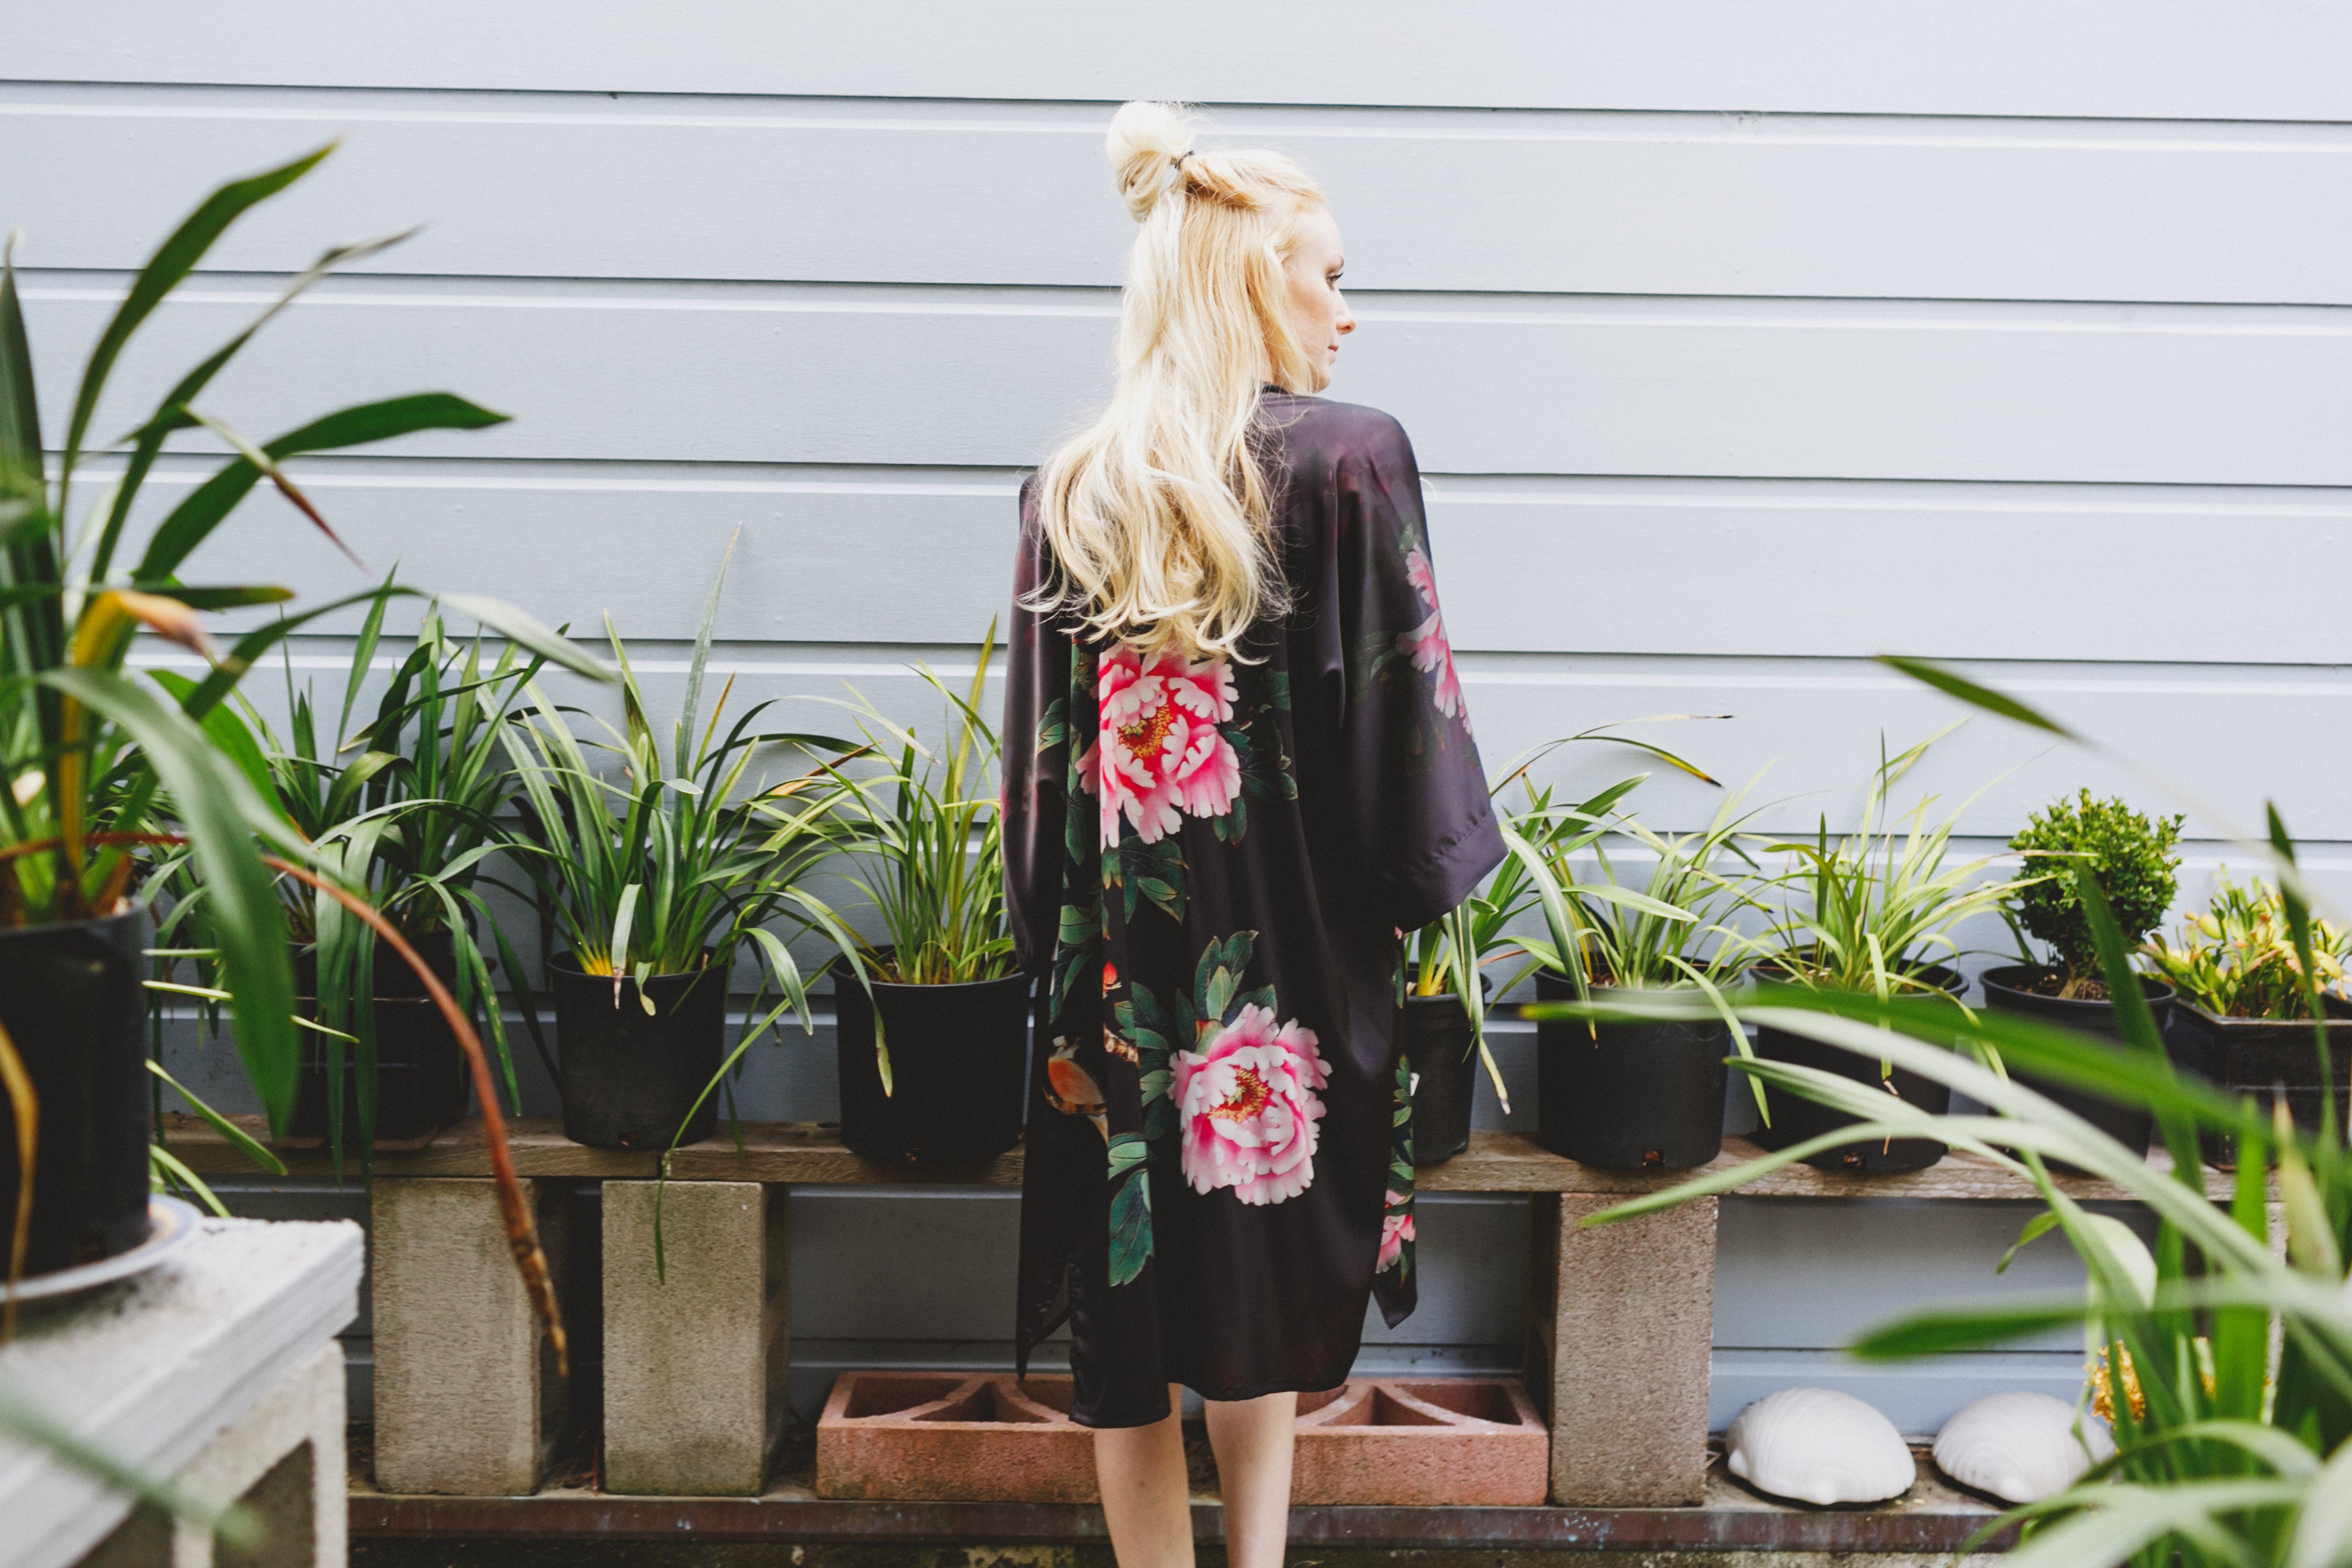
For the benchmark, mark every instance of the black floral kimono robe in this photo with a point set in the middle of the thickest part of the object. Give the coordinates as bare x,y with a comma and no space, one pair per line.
1211,861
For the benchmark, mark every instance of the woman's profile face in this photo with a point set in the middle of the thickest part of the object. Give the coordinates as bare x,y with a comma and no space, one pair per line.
1319,316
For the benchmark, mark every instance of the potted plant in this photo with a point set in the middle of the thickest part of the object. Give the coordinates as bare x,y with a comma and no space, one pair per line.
1442,1021
1634,1093
2137,865
2244,1007
652,882
1442,1025
91,757
404,808
1880,905
1442,1018
931,1018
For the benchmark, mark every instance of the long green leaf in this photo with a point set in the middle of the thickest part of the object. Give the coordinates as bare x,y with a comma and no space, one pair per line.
172,413
188,524
172,261
21,457
520,627
32,638
238,1139
2118,1520
222,814
230,731
1974,695
2322,1529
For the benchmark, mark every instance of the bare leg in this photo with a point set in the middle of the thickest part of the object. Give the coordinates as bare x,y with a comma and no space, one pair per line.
1253,1442
1145,1498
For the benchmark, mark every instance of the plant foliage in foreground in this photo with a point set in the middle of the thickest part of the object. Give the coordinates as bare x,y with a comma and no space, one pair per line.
89,755
2232,1448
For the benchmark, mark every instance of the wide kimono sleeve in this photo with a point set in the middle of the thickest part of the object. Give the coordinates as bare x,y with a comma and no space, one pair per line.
1037,740
1421,824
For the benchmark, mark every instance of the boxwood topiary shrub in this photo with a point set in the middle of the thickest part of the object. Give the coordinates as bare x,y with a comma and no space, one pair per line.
2133,859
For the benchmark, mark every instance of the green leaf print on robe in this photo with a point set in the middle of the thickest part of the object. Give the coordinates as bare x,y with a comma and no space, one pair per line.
1150,874
1131,1206
1078,938
1396,1215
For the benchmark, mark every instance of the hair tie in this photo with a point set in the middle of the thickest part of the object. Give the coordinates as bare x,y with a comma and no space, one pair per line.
1177,162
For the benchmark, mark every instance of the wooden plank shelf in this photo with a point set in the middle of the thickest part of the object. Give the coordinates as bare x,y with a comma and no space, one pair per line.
811,1152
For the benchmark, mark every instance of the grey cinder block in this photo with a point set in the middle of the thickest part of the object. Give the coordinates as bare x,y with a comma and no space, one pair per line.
1622,1332
283,1458
693,1365
468,1398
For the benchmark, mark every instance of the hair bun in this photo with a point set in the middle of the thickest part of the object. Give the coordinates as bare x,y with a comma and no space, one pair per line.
1145,142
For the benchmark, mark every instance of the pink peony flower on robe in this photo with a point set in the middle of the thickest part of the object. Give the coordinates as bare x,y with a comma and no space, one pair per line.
1426,644
1158,754
1396,1229
1248,1108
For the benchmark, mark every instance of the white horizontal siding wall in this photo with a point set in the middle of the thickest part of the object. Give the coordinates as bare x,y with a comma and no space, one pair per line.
1739,342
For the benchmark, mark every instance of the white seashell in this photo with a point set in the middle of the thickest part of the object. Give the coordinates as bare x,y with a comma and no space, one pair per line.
2020,1447
1819,1445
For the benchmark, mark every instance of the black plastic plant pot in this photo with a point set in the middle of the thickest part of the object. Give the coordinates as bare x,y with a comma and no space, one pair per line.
1629,1096
1435,1036
629,1076
2269,1059
1795,1119
2011,990
73,1000
422,1082
959,1056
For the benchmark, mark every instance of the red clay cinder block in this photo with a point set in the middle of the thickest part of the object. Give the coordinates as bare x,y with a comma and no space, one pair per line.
937,1438
1421,1442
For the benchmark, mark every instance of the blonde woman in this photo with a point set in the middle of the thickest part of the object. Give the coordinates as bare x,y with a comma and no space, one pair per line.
1238,765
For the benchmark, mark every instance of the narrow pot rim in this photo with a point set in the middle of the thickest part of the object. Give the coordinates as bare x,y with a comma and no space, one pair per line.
565,962
840,974
1953,982
127,911
2163,990
1682,987
1486,994
2232,1021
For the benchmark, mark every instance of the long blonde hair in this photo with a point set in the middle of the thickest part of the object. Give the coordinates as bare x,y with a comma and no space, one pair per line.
1157,516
